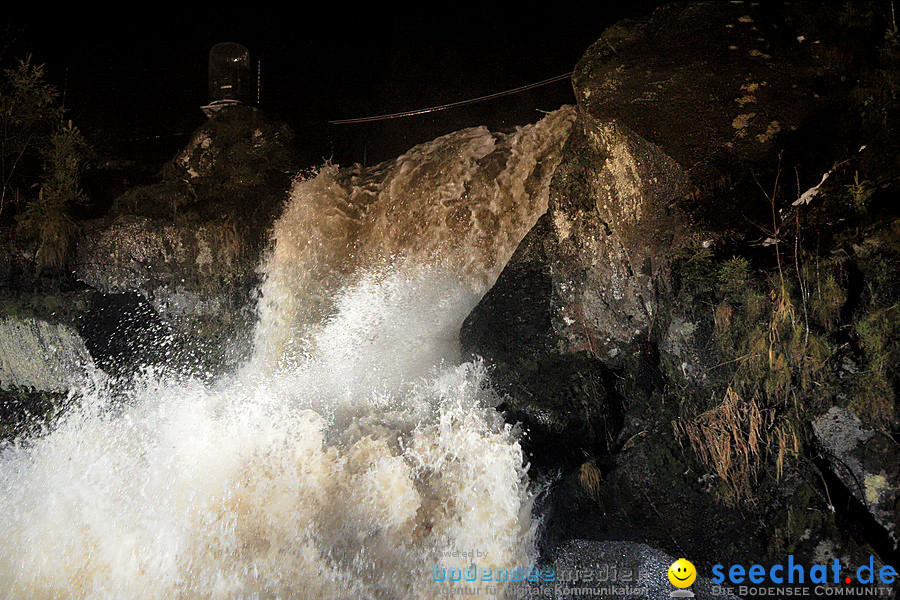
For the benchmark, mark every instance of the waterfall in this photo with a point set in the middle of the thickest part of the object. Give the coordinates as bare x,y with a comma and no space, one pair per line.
354,453
461,202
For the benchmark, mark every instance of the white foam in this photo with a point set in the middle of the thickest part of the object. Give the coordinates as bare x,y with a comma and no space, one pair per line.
348,475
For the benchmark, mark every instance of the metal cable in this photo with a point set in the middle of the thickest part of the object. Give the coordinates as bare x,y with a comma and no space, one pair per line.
422,111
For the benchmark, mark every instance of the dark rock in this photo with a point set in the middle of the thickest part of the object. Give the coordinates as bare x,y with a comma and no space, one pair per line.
123,333
866,463
648,492
711,83
696,129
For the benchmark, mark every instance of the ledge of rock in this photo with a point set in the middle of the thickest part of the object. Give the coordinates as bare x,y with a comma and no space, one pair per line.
41,355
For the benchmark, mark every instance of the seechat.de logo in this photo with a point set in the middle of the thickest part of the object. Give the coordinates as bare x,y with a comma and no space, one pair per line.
682,574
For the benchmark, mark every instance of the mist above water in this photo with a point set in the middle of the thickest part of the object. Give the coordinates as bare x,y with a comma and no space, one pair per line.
351,453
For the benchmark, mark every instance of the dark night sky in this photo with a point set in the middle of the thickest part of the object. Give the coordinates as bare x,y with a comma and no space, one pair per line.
135,78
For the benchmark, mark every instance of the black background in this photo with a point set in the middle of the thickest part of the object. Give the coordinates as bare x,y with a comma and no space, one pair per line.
135,77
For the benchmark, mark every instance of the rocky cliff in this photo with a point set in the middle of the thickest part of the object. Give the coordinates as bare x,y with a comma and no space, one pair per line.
700,289
167,275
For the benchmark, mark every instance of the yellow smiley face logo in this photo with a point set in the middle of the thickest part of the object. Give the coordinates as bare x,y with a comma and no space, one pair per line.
682,573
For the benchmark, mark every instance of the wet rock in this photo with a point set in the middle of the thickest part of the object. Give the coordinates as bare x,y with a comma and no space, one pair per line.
197,278
672,111
42,355
680,116
648,492
866,463
190,243
688,122
191,269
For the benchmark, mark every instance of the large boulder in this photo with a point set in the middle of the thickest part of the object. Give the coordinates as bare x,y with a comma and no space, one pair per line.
684,120
658,321
183,251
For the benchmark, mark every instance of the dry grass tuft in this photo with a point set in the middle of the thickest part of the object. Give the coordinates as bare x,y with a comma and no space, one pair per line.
589,478
735,440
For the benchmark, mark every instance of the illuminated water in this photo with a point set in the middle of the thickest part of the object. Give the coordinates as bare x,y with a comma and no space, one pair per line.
351,453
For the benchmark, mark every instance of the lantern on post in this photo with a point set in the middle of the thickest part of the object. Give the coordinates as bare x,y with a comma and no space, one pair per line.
230,77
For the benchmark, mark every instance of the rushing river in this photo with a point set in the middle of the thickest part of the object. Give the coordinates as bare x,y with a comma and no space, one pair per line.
352,454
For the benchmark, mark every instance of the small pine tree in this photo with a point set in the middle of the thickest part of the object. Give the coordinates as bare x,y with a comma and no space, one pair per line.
41,160
48,218
29,114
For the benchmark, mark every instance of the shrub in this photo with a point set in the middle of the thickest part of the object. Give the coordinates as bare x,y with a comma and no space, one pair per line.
41,161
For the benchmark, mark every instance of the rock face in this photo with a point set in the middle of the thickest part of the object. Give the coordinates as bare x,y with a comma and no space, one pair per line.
195,277
184,270
671,111
865,463
651,308
189,246
167,276
40,354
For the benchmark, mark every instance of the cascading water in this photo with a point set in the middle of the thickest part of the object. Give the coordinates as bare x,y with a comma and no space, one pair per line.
354,451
